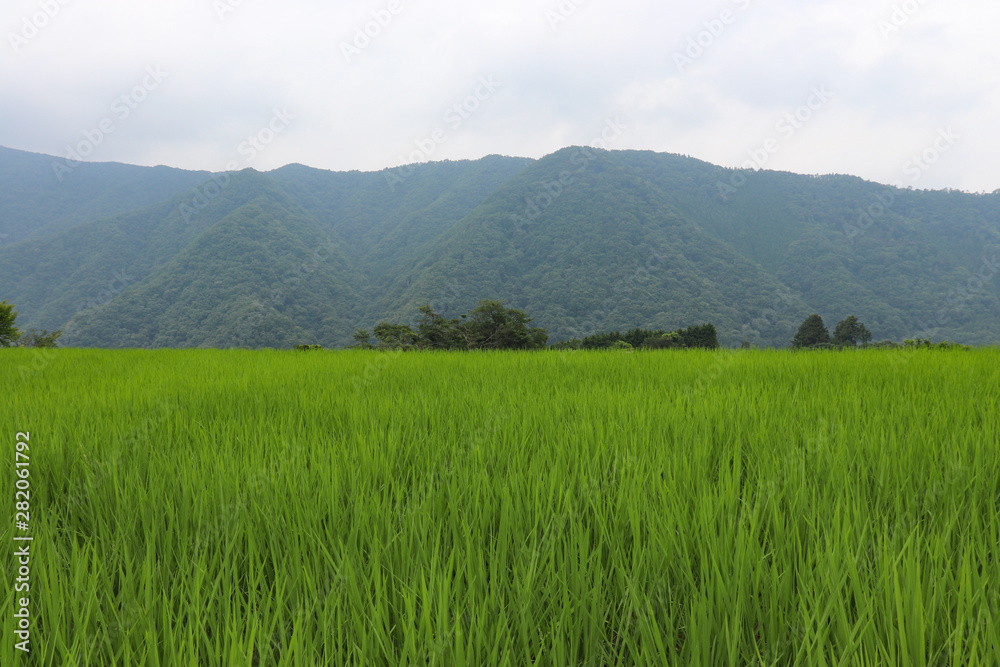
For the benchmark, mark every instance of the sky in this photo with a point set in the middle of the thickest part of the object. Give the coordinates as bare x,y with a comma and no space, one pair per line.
900,92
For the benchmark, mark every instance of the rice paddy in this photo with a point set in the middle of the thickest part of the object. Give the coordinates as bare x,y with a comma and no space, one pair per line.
198,507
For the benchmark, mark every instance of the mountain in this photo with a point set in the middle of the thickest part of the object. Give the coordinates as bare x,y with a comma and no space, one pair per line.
584,240
44,195
583,243
231,283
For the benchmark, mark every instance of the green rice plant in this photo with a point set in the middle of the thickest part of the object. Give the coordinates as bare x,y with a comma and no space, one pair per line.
363,508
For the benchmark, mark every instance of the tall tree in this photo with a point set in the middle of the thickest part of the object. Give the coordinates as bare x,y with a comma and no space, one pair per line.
493,326
9,334
811,333
849,332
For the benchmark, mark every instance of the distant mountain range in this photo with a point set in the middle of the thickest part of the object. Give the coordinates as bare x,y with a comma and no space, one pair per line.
584,240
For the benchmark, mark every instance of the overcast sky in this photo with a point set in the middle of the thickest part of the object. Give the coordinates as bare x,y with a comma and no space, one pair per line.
894,91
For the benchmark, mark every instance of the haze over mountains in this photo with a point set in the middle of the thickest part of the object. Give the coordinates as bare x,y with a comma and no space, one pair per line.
583,240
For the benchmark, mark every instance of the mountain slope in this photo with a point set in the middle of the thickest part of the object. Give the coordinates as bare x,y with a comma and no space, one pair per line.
42,196
265,274
584,244
388,217
584,240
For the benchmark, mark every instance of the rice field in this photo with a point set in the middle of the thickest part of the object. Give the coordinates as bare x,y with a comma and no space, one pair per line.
199,507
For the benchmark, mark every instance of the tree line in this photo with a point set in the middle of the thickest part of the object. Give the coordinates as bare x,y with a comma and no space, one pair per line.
851,333
494,326
701,336
490,326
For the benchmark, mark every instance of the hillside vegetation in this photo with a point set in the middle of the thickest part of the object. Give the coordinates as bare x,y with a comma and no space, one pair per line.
585,241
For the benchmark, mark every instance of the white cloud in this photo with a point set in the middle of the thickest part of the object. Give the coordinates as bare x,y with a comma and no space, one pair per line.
937,65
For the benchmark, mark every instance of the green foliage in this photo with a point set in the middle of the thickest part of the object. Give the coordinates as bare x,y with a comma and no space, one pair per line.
665,341
812,334
924,343
490,326
702,336
9,334
395,336
306,348
601,341
849,332
628,239
919,344
493,326
438,333
635,338
38,201
43,338
363,339
201,507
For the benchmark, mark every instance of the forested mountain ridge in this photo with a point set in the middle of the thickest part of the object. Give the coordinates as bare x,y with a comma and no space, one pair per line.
42,195
583,240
